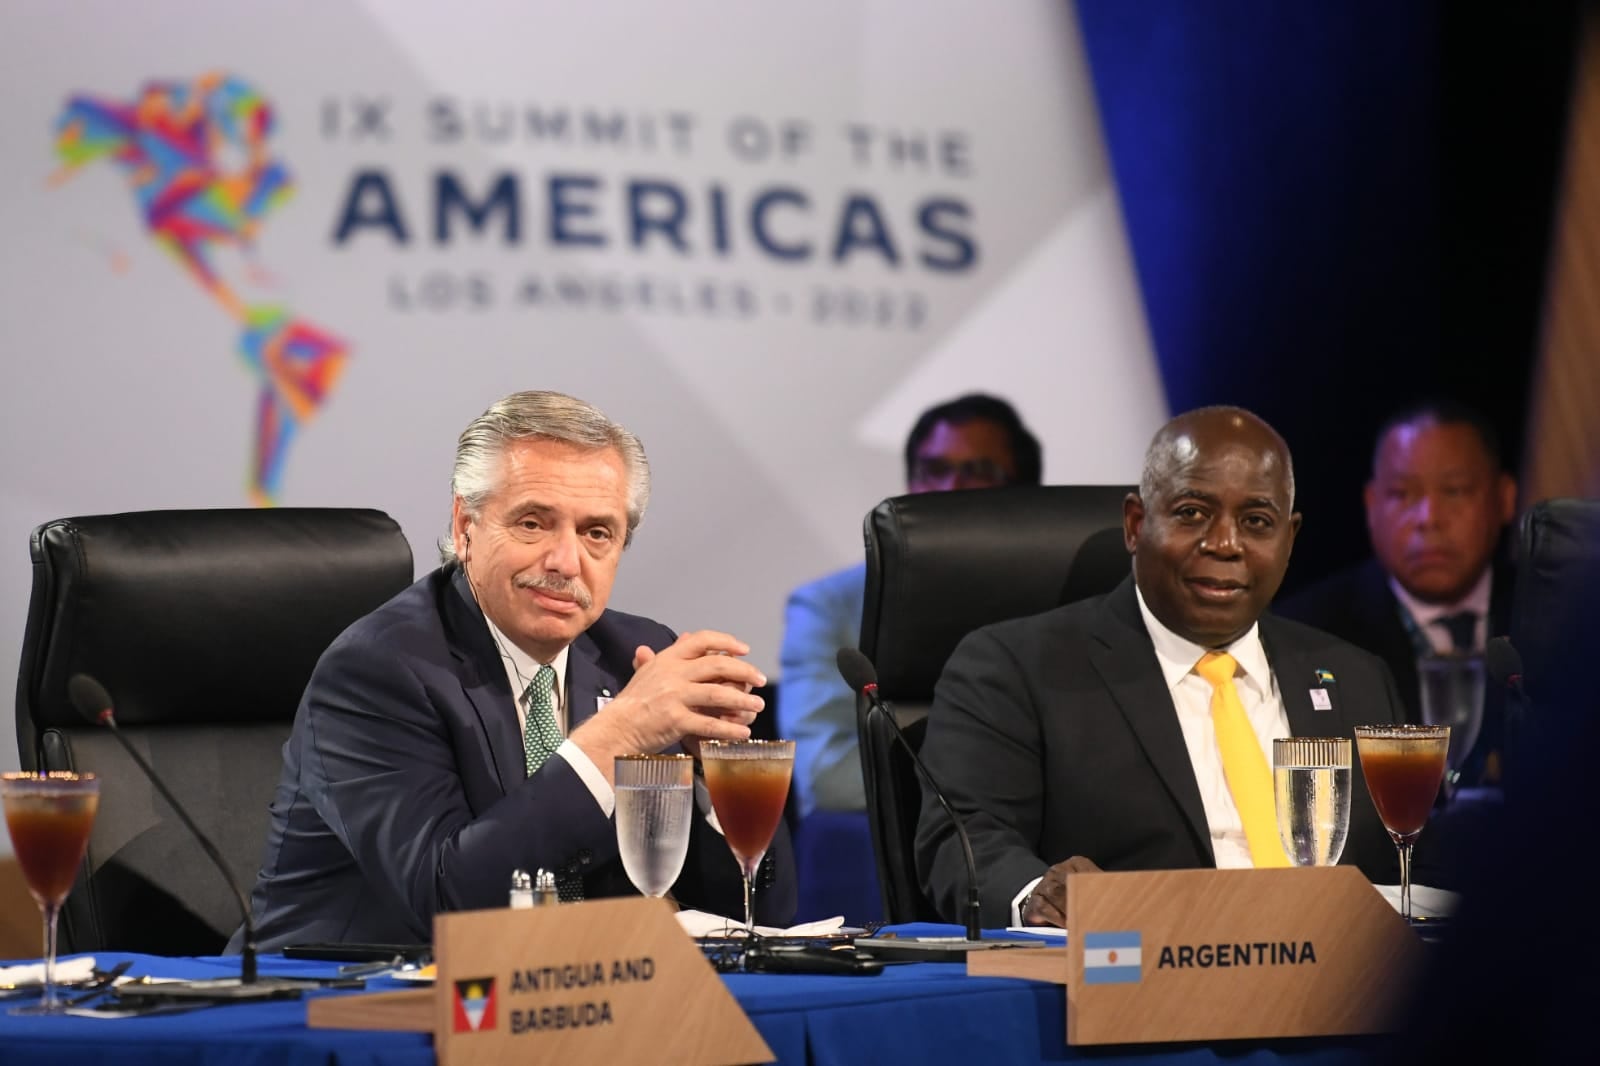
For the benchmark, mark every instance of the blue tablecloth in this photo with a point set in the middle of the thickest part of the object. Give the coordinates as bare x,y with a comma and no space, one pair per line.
928,1013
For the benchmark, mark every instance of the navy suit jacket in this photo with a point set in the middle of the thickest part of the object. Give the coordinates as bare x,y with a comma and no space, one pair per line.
1055,735
404,792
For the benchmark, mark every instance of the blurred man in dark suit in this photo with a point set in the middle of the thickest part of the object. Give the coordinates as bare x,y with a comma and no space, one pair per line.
1437,504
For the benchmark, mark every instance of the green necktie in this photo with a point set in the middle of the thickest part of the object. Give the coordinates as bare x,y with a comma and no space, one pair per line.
540,735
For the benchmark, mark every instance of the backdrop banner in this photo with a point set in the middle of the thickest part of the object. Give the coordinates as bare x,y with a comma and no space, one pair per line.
283,252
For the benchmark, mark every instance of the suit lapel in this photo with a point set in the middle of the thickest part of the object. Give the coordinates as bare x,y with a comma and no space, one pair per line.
483,680
1296,677
588,682
1126,662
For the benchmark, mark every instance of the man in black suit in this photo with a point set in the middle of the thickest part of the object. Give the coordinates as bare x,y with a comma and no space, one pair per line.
1088,737
468,727
1436,506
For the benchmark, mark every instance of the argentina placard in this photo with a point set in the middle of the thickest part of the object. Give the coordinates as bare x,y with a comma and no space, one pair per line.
1168,955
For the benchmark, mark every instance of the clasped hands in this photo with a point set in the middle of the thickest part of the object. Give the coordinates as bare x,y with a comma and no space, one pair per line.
698,687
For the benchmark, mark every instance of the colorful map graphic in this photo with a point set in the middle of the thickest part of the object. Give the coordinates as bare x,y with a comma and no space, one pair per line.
197,158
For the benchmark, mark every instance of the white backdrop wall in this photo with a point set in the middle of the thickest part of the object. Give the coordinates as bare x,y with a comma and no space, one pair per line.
761,235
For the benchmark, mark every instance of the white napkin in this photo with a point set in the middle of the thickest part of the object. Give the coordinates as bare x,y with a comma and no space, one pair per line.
80,968
699,923
1425,902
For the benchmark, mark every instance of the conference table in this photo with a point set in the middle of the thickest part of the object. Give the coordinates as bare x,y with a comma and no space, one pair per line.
928,1013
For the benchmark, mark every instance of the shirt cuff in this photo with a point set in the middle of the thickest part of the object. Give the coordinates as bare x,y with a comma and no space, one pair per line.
1017,900
702,800
590,775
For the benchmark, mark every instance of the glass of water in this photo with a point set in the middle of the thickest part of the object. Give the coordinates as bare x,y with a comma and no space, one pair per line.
1311,787
1452,695
655,801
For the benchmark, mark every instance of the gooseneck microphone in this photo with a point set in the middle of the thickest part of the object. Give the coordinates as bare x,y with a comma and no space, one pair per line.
92,701
1505,665
1505,669
859,673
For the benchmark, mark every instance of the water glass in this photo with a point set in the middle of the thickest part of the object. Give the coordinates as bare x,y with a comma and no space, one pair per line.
655,802
1311,787
1452,695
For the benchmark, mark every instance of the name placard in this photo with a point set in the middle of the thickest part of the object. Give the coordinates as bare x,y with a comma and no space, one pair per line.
1233,954
612,980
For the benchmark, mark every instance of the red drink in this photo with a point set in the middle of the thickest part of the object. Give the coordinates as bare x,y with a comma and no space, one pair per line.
1404,778
748,795
49,834
49,817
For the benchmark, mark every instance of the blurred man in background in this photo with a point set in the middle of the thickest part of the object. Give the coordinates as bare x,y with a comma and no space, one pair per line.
1437,504
972,442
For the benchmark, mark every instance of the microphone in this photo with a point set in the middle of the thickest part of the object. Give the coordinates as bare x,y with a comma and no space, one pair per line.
91,700
858,672
1505,668
1505,665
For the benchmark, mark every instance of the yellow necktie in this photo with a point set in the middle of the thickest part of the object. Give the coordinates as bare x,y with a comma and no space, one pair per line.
1243,764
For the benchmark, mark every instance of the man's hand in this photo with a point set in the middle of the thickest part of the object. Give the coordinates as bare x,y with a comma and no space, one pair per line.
696,687
1047,904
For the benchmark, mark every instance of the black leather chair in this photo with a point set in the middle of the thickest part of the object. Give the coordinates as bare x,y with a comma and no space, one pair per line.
1557,548
1558,581
204,627
940,565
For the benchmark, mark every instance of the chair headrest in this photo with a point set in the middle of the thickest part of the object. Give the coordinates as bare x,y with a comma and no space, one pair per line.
1558,578
942,564
199,616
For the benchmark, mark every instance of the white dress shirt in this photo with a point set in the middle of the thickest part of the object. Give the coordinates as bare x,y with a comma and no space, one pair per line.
1191,698
1427,615
1191,695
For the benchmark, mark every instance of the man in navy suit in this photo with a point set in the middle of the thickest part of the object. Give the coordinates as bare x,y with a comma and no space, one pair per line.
468,727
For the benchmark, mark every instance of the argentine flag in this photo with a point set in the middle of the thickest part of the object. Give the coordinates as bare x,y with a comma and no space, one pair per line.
1111,958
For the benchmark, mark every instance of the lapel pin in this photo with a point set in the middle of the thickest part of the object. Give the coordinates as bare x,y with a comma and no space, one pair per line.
1320,700
1324,677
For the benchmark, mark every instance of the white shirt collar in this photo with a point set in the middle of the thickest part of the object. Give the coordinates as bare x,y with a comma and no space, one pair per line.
520,666
1178,656
1476,600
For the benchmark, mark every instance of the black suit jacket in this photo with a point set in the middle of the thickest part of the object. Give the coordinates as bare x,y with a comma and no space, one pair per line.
1056,736
404,792
1357,604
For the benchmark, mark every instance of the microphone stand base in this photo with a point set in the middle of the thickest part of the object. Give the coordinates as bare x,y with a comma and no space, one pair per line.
218,990
934,948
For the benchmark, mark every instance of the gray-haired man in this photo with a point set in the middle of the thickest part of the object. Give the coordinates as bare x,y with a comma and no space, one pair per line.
467,727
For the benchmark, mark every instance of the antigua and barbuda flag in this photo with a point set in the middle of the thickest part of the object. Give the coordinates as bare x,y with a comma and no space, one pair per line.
474,1011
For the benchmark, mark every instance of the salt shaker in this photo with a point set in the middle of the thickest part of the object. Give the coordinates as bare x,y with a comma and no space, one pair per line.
521,890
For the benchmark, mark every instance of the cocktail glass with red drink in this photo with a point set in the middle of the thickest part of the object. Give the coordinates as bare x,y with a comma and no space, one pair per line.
749,784
49,817
1404,766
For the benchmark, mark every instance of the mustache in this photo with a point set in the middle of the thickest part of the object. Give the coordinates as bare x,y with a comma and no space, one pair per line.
569,588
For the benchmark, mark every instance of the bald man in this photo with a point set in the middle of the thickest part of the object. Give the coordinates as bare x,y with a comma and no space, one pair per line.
1085,738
